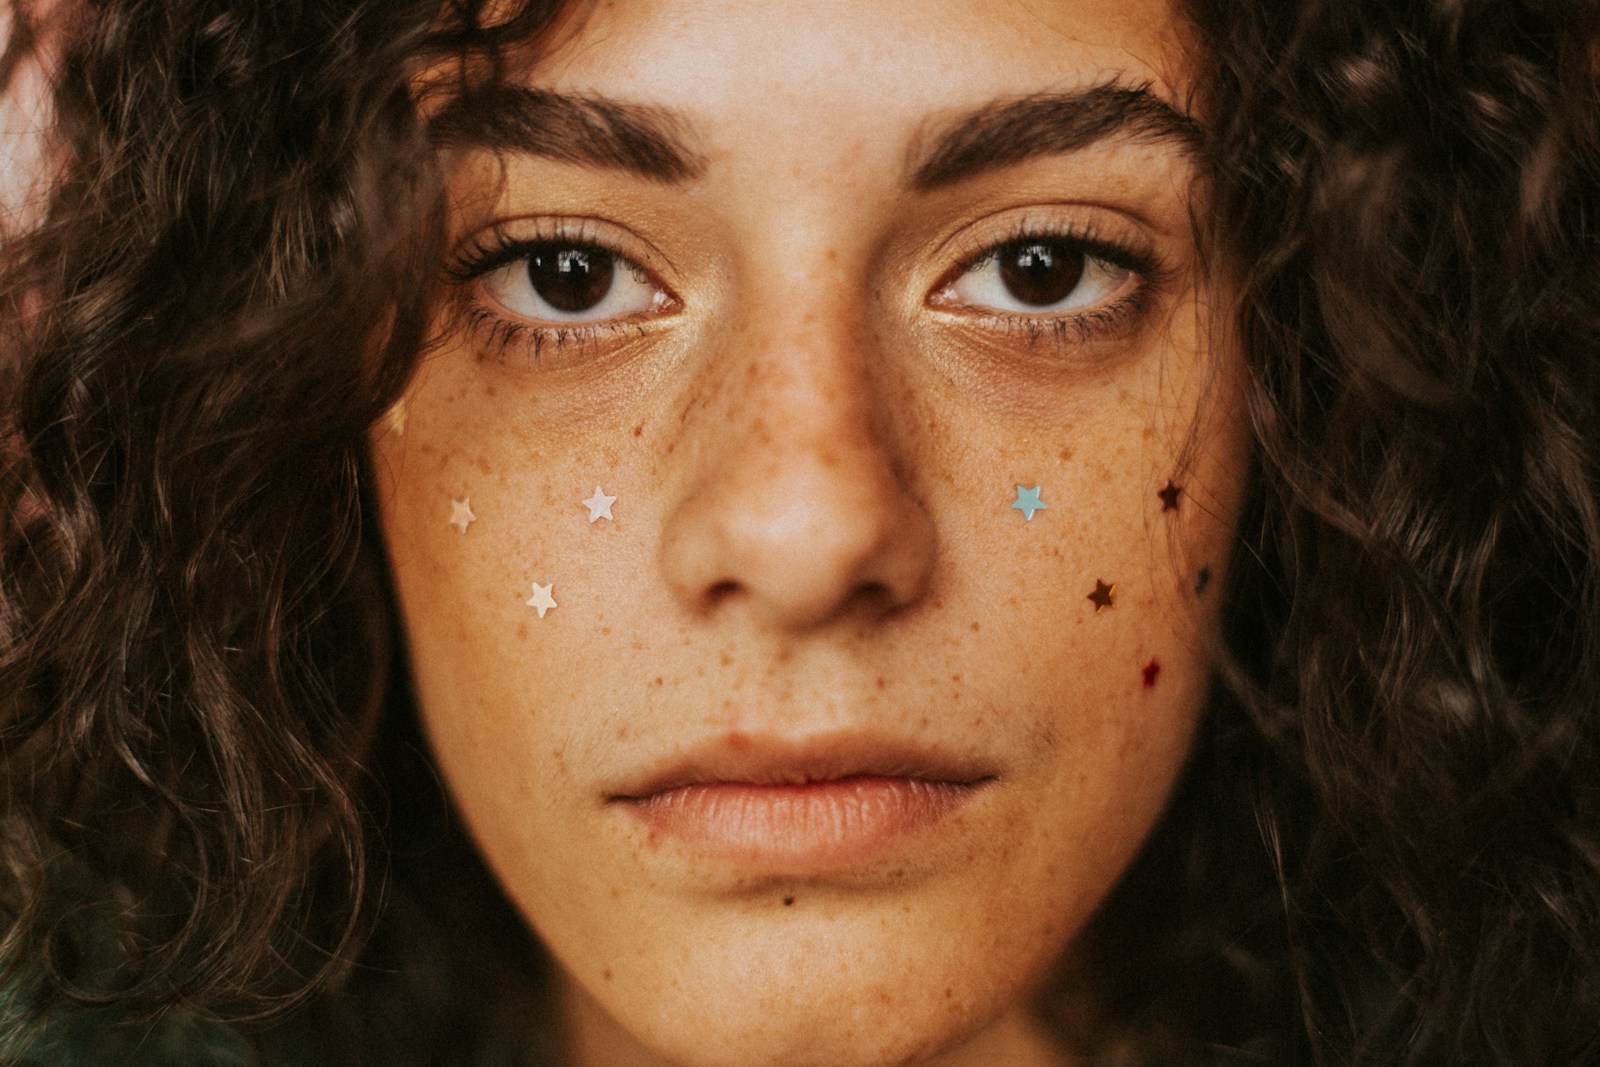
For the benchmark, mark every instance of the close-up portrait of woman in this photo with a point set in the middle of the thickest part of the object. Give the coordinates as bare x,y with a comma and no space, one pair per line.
728,533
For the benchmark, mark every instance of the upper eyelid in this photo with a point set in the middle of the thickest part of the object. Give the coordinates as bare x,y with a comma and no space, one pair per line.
1087,222
1154,274
578,229
1105,251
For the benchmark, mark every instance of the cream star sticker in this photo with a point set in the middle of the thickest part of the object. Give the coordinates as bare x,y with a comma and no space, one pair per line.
461,515
599,505
541,600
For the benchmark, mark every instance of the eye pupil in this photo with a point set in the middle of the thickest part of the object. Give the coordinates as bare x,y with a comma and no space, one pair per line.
1040,273
571,278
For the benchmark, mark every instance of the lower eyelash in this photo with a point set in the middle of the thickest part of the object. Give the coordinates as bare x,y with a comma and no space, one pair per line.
499,336
1102,322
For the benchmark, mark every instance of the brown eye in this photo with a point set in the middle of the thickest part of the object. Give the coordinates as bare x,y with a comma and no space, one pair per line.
1036,277
1040,273
571,279
567,281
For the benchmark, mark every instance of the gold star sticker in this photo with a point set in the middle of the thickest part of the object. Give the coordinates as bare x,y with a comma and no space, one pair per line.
396,417
1104,596
541,600
461,515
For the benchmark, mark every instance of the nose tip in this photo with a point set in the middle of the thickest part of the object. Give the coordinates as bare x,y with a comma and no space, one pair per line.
799,539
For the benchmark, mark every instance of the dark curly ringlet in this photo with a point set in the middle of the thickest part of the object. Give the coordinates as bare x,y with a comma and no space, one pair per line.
1386,847
1409,193
230,285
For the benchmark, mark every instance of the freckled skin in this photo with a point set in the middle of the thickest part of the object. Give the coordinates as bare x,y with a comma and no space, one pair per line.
814,469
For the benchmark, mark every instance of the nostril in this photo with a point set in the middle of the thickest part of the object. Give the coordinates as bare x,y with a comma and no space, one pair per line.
874,593
720,591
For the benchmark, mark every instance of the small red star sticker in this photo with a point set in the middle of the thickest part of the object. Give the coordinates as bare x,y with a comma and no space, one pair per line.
1104,596
1169,495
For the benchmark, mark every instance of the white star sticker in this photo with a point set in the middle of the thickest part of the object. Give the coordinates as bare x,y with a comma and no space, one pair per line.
461,515
599,505
541,600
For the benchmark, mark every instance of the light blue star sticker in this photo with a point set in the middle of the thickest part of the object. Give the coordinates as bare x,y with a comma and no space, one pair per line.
1028,501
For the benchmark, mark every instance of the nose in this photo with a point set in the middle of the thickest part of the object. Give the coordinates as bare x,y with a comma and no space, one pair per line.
798,513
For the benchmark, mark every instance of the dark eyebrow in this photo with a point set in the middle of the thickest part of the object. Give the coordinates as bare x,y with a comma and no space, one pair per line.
1012,131
589,131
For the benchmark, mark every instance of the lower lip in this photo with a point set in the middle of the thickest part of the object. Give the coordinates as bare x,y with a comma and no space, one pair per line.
806,828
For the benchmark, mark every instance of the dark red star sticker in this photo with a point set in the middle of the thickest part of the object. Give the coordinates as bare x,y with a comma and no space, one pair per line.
1170,495
1104,596
1150,671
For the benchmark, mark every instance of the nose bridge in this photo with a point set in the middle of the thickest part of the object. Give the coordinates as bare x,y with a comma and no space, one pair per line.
797,512
806,378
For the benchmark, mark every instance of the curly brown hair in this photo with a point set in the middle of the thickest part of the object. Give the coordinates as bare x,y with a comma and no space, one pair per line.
1385,850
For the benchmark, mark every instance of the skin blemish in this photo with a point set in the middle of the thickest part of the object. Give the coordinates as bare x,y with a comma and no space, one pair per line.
1150,672
881,683
1202,581
788,902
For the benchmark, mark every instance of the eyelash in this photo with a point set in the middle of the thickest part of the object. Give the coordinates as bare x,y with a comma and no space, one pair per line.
1094,323
499,335
496,248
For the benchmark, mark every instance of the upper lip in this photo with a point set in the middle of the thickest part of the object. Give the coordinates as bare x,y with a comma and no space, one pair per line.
771,760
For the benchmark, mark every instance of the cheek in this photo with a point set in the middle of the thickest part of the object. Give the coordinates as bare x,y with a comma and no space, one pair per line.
521,612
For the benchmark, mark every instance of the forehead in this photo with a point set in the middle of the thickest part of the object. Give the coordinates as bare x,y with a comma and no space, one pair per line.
789,63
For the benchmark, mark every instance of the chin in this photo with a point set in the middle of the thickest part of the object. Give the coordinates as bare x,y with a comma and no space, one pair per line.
827,982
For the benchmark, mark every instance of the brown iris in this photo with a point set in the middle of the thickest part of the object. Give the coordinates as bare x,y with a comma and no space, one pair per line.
571,278
1040,273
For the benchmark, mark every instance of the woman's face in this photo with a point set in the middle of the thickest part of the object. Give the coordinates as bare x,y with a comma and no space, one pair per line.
808,529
